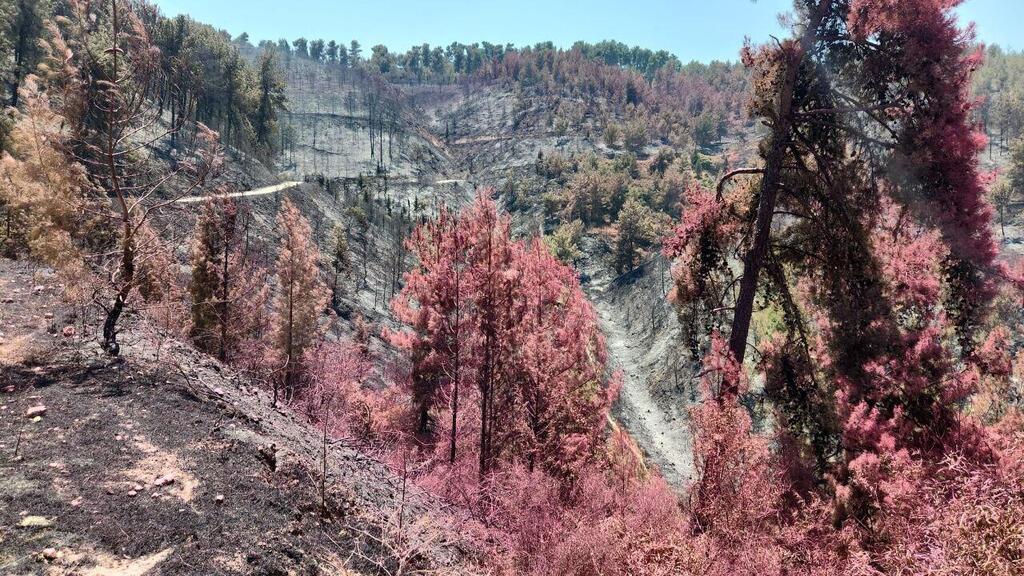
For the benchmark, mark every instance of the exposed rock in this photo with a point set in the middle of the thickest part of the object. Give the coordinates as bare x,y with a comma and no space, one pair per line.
35,522
34,411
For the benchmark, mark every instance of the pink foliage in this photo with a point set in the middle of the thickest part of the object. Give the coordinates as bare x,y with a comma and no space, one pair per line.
706,223
939,141
337,395
738,490
507,358
911,258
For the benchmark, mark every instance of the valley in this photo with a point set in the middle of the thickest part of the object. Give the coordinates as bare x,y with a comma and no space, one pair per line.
303,307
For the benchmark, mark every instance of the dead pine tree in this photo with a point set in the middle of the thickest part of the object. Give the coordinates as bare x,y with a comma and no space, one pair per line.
109,100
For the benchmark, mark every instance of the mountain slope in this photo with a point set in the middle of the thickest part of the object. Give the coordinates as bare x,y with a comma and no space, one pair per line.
165,462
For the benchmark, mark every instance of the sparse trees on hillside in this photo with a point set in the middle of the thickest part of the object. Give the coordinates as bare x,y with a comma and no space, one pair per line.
203,77
299,299
109,103
999,85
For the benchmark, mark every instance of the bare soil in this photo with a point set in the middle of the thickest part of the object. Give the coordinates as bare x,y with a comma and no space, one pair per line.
165,462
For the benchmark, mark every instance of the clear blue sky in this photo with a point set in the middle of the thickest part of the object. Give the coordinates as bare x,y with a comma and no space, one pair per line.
691,29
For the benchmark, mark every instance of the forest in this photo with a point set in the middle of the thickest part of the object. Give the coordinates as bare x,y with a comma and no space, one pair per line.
486,283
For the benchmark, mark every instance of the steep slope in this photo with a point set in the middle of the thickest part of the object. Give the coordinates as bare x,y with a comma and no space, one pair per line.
642,338
493,135
434,145
345,123
166,462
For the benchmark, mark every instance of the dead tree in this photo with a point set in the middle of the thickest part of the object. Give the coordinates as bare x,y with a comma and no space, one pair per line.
111,101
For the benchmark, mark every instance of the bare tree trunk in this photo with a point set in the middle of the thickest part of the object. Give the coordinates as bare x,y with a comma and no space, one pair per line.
127,264
456,370
127,280
754,259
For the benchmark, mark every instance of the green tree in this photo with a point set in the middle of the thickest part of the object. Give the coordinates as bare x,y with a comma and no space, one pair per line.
564,243
316,50
637,230
354,52
301,46
271,100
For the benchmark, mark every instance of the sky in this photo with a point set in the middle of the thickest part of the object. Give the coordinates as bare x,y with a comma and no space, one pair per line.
691,29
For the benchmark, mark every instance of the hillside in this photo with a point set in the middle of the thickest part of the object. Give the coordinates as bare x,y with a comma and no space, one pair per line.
168,462
297,307
490,134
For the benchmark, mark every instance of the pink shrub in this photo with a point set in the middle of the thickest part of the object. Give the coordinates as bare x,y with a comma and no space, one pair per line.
336,373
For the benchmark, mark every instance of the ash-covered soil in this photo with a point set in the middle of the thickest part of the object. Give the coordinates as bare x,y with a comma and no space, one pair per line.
642,336
165,462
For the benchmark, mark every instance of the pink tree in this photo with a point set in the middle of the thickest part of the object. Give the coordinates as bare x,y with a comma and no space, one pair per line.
509,317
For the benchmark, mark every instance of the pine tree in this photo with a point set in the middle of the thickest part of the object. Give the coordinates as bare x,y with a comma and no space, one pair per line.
271,99
341,260
504,325
433,303
226,287
299,300
636,230
212,247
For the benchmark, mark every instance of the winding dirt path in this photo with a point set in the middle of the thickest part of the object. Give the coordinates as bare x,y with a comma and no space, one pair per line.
272,189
